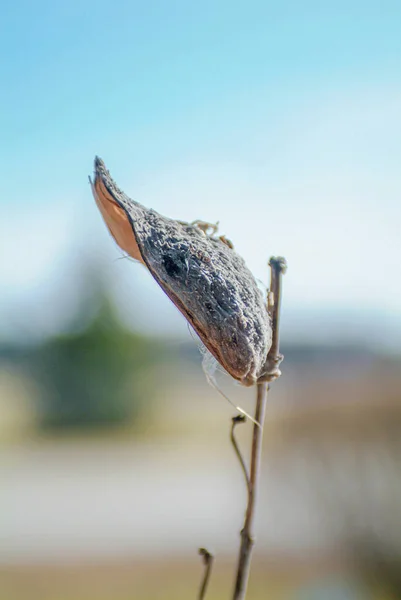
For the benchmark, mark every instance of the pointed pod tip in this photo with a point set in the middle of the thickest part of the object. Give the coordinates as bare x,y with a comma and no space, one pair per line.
99,167
98,162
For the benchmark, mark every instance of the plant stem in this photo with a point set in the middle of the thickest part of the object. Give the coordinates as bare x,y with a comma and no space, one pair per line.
277,268
247,541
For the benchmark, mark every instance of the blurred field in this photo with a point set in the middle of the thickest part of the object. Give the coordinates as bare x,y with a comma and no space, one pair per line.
116,466
164,580
108,518
156,580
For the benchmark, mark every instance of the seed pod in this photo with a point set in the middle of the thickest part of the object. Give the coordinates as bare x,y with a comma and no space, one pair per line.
201,274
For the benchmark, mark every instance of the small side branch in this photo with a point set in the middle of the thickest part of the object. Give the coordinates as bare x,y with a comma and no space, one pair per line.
208,563
278,267
235,420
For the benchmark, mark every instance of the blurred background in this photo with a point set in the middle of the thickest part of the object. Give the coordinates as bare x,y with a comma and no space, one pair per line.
282,122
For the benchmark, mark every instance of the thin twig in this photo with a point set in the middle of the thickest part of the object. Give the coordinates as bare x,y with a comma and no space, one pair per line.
235,420
208,562
247,542
277,266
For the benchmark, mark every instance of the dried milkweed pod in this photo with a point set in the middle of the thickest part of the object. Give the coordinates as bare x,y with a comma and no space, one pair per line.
200,272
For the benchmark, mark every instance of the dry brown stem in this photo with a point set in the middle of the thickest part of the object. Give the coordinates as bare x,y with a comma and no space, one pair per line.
277,266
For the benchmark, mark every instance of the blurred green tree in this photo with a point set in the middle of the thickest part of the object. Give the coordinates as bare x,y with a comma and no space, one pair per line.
99,374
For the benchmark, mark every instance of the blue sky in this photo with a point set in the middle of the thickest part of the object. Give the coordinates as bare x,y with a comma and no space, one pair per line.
281,120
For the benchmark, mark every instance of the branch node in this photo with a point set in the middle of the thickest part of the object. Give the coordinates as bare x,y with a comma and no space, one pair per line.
278,263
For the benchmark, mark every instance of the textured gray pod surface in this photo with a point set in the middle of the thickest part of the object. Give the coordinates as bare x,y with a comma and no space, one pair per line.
205,278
